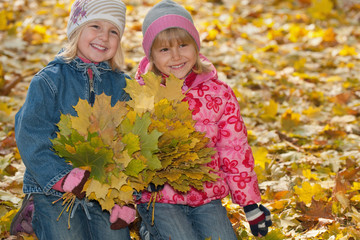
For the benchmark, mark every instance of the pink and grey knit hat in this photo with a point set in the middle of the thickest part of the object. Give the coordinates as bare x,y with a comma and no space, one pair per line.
166,14
83,11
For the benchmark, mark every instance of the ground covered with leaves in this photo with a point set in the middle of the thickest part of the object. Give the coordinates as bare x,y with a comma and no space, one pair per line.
294,66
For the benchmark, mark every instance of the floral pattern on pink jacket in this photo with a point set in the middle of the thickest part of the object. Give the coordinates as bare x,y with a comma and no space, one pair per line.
217,112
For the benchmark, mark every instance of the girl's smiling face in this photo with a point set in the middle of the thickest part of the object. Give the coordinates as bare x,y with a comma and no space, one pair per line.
173,55
98,41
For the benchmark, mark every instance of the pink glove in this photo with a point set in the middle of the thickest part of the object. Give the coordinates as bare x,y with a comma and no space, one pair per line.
121,217
73,182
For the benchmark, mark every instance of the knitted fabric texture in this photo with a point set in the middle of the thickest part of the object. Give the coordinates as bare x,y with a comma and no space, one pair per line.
164,15
84,11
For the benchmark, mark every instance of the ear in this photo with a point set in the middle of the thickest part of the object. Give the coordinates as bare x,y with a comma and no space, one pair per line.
151,65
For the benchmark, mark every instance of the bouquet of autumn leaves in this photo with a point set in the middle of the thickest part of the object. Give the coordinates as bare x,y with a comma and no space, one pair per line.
149,139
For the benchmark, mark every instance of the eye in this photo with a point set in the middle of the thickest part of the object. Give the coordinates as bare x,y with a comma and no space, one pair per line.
183,45
115,32
95,26
164,49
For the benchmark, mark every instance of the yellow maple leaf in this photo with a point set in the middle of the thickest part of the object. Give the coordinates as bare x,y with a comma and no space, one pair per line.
82,122
164,109
3,20
143,103
194,175
35,34
269,72
125,195
107,203
117,182
7,217
108,117
355,187
319,9
334,79
4,107
356,198
172,91
290,120
183,113
280,204
269,110
296,32
212,34
299,65
309,175
260,156
307,191
312,112
348,51
99,189
171,176
124,159
180,132
275,34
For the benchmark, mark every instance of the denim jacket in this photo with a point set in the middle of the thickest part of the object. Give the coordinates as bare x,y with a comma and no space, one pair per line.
54,90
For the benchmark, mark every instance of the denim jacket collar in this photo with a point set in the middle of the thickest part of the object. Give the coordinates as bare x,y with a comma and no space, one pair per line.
80,65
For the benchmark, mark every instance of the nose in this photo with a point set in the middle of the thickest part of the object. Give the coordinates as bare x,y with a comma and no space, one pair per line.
175,54
104,35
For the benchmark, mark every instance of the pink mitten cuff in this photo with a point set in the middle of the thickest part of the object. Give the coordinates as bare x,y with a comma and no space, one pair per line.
125,213
73,179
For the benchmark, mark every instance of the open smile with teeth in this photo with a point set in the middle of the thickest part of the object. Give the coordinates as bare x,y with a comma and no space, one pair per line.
98,47
177,66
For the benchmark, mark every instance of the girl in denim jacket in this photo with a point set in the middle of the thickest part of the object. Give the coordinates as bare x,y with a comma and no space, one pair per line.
89,65
171,44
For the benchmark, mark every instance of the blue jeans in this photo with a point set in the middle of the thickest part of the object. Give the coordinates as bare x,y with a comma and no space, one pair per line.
182,222
47,227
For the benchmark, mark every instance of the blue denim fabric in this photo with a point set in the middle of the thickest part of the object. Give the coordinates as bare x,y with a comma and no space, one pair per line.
55,90
81,227
182,222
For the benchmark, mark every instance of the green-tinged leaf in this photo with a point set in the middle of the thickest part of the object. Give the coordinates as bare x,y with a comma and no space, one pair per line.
65,125
148,142
132,142
134,167
96,159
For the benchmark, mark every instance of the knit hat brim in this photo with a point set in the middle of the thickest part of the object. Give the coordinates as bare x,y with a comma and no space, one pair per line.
84,11
166,22
99,17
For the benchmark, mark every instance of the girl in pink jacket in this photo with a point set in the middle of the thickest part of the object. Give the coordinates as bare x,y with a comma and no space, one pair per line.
172,44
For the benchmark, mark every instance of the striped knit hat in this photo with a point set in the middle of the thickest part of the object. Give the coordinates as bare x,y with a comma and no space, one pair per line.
83,11
166,14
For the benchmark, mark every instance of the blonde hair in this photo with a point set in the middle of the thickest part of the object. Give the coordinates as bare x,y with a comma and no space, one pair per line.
172,36
71,49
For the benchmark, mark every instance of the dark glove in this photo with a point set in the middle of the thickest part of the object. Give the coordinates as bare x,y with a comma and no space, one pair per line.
73,182
259,219
121,217
152,188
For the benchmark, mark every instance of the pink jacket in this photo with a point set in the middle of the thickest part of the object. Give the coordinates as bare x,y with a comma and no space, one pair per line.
217,112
